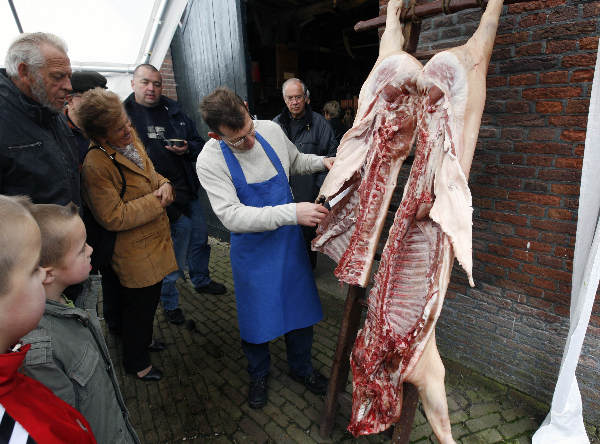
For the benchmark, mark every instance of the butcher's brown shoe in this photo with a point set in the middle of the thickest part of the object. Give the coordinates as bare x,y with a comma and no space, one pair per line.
315,382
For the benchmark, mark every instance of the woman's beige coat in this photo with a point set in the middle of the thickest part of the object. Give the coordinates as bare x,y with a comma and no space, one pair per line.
143,252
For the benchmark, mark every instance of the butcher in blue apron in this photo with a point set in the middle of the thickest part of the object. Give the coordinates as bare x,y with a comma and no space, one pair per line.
245,169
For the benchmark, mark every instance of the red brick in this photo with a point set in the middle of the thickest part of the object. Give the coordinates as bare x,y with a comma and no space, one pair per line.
550,261
496,81
537,302
583,75
517,107
540,199
540,160
482,203
563,188
538,314
528,49
568,121
542,134
578,106
588,43
564,252
569,162
497,260
525,244
579,60
534,6
498,145
523,79
512,38
579,149
499,250
560,175
523,119
532,210
564,92
560,46
549,107
524,256
509,183
571,203
519,288
511,170
502,228
562,310
489,192
535,187
546,284
552,296
591,10
511,159
567,13
505,206
512,133
554,238
488,133
554,77
503,217
553,226
533,20
496,271
549,273
519,277
558,213
573,136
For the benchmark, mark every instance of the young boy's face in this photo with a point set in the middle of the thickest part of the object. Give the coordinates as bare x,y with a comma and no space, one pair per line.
76,264
23,305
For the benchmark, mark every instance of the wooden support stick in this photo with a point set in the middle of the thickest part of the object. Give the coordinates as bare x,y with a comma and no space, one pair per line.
341,360
402,429
428,10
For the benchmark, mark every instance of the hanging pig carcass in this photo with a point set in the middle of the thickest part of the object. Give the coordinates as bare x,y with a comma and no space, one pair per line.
432,225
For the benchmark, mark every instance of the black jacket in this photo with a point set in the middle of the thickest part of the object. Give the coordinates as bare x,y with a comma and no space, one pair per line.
315,137
38,156
338,127
180,170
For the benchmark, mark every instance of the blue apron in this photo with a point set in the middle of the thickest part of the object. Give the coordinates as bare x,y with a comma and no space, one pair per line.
274,285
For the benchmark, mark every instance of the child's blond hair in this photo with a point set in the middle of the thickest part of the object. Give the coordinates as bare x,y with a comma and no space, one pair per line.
14,211
52,220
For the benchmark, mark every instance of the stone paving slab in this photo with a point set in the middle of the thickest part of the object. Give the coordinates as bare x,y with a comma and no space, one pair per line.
202,396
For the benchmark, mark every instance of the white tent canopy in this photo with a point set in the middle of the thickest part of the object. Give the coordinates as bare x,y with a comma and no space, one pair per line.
110,36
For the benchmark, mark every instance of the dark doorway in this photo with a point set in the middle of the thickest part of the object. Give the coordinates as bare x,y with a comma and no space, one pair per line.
313,40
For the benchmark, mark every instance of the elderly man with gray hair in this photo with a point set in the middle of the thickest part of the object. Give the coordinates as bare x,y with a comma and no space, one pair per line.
38,157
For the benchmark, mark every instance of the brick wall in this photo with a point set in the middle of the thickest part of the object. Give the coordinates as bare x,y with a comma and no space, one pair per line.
525,185
166,70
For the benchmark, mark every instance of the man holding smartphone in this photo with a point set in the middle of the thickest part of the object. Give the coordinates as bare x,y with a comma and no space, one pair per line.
173,144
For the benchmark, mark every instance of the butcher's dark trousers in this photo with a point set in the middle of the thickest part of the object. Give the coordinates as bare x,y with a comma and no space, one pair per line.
298,344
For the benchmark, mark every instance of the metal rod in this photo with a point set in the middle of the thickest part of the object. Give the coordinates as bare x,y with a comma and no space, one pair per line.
16,16
428,10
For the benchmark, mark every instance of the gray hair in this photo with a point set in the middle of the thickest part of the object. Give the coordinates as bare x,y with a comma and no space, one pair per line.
27,49
295,80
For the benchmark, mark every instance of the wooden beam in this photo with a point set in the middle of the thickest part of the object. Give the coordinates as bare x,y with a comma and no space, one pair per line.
429,10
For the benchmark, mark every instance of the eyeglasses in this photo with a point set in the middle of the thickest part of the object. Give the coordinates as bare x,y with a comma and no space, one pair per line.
294,98
237,142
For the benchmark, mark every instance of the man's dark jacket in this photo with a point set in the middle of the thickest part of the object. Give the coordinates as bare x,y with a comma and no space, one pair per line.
314,137
180,170
38,157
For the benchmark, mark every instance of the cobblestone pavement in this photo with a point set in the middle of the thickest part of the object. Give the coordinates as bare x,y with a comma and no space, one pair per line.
202,396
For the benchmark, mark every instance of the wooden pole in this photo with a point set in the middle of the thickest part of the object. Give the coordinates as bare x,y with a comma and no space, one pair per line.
341,360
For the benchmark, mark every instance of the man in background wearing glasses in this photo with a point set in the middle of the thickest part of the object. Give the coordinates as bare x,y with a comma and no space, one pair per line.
245,169
311,134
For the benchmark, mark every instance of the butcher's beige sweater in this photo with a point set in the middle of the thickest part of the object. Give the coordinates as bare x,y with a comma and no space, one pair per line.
215,178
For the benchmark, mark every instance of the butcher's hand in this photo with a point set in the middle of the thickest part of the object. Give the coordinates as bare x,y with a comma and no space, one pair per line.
179,150
328,162
310,214
165,194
